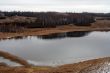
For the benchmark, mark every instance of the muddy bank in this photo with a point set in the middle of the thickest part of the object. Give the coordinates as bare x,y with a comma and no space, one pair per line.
101,65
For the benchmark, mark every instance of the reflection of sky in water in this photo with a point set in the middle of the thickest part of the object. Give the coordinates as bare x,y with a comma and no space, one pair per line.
8,62
60,51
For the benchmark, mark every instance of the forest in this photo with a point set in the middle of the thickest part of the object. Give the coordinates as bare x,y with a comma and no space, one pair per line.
17,20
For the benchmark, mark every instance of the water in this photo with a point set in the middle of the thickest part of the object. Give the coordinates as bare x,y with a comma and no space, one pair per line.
59,49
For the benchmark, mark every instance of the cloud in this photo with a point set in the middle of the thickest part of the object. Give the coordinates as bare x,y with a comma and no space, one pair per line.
76,2
56,5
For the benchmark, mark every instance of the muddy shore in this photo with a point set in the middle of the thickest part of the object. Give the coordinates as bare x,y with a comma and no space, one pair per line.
101,65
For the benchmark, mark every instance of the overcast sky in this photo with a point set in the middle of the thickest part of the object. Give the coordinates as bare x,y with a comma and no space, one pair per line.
56,5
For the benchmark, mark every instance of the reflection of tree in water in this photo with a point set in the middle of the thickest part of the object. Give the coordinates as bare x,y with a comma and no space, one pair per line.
20,37
14,58
21,61
77,34
66,34
53,36
15,38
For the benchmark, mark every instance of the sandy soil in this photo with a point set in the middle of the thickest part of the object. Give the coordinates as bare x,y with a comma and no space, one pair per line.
99,25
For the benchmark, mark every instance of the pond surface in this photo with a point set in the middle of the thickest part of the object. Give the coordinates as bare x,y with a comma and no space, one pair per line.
59,49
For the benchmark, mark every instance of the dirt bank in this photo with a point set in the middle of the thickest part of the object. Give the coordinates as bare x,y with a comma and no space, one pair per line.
101,65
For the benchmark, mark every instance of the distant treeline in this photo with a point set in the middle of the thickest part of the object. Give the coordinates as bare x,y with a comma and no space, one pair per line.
52,19
97,14
35,14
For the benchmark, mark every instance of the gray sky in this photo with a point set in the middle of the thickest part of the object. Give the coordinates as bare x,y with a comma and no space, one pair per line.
56,5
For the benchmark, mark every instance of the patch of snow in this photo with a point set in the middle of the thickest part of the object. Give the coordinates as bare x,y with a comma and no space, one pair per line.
108,63
101,68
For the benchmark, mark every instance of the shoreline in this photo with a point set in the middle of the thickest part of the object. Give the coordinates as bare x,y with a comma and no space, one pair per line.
47,31
88,66
80,67
99,25
92,65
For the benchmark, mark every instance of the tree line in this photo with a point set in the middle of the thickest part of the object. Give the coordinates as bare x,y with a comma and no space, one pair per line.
51,19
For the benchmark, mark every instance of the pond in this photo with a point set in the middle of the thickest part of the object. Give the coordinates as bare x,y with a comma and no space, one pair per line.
59,49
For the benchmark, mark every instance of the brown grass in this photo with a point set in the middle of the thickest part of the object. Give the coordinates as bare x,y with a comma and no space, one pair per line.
69,68
99,25
78,67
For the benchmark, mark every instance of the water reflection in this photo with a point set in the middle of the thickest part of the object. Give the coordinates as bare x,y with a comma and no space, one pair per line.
14,38
63,35
57,52
52,36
